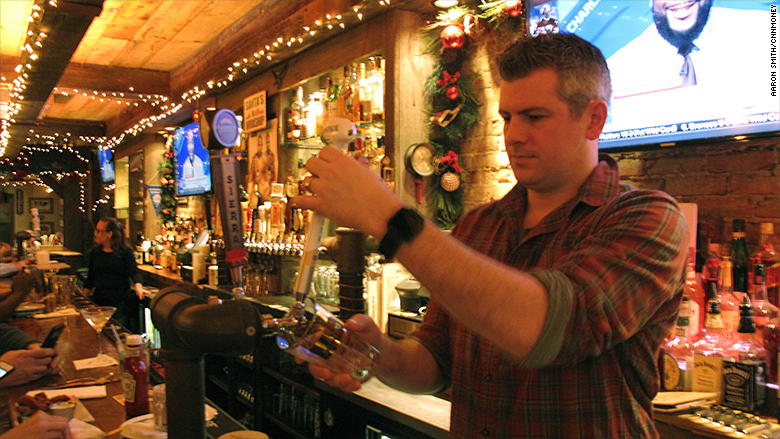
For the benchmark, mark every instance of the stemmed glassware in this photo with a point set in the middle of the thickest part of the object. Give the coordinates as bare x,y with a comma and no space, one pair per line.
97,317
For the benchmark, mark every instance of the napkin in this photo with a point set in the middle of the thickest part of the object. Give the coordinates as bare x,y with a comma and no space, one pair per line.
61,313
89,392
105,361
82,414
82,430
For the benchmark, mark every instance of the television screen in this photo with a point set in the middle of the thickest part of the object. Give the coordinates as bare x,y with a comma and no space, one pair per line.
106,165
681,71
193,176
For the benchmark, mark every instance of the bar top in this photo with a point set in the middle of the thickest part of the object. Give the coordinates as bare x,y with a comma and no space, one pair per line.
425,413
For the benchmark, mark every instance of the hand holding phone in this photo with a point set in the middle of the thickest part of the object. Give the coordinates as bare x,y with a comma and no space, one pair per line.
53,336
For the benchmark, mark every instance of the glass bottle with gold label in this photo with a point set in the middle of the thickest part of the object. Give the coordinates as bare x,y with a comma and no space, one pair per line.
677,356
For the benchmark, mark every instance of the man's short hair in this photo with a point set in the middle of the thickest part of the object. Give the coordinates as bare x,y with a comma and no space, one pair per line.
582,69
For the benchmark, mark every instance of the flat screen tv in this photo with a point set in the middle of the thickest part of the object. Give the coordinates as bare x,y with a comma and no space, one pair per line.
193,174
106,165
682,72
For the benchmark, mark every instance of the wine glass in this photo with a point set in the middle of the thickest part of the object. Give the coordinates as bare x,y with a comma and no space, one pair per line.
97,317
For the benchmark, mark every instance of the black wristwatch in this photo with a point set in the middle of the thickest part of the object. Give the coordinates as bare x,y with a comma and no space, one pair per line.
403,227
5,369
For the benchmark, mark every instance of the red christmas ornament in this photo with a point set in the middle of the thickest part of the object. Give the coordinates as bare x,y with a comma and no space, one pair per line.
196,116
513,7
452,92
453,37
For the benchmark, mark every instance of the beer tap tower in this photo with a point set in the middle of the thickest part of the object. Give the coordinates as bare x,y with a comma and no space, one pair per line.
189,326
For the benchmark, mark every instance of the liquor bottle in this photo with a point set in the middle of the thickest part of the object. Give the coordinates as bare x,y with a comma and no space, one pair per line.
744,377
677,356
344,96
377,80
365,94
295,117
711,269
355,95
729,302
767,319
739,257
767,255
694,290
135,377
330,98
710,349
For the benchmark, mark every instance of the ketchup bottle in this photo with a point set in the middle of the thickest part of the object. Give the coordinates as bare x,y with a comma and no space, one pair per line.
135,377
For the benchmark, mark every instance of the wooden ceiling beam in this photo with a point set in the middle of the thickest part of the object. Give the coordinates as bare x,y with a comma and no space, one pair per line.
249,35
115,79
101,78
65,26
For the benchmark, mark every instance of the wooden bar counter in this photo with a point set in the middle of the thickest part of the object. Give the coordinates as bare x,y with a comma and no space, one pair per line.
78,341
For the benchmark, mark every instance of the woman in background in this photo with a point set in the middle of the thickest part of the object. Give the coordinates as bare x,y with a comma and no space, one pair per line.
114,278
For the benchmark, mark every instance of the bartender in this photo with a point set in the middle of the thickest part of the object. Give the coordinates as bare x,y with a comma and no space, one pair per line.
548,305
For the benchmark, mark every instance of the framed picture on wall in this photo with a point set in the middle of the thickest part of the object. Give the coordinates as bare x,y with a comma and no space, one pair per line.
47,228
263,162
44,205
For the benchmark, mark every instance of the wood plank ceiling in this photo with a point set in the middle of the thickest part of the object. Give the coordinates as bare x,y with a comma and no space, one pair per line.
129,58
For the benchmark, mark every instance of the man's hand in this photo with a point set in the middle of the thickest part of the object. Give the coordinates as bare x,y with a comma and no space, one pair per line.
40,426
55,366
29,365
365,328
349,193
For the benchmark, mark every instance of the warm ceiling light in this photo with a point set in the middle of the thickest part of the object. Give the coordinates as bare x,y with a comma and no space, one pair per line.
445,4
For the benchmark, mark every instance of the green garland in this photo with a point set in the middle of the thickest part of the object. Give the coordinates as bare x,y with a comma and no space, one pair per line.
454,110
168,182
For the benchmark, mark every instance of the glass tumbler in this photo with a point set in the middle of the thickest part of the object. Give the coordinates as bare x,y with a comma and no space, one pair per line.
321,338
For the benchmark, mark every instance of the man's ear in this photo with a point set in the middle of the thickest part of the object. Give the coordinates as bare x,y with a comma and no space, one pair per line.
596,114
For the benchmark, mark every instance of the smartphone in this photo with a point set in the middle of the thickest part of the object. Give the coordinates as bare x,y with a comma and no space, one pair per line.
53,336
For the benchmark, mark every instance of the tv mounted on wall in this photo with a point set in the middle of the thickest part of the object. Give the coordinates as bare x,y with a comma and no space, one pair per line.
193,174
654,102
106,165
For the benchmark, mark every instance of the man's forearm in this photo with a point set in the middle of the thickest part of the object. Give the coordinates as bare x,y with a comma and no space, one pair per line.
406,365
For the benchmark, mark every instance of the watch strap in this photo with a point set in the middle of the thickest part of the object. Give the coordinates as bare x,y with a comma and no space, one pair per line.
403,227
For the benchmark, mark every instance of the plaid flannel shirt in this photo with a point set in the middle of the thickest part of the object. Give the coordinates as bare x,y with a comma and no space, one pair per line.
612,260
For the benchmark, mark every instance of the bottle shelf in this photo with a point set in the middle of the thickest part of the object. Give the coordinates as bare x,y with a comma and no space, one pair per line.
315,143
289,381
218,382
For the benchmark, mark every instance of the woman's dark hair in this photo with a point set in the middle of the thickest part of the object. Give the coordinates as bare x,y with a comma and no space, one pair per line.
117,232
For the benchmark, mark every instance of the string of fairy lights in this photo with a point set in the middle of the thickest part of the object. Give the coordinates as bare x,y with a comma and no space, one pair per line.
241,68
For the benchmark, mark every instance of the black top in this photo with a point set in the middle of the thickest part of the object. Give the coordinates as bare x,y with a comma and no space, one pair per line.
111,275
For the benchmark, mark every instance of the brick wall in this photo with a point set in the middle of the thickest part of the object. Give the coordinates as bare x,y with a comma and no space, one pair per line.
736,179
